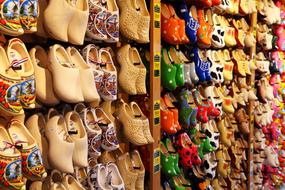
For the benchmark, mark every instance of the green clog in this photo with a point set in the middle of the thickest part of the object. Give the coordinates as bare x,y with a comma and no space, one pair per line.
204,144
172,151
178,63
167,161
180,81
168,71
176,184
207,145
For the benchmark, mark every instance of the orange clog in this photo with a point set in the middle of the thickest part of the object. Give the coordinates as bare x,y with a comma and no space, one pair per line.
181,23
167,118
204,31
169,26
172,108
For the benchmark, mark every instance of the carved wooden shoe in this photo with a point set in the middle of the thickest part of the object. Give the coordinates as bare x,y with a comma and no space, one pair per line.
108,90
139,169
109,136
132,69
26,14
139,115
144,22
133,127
130,12
10,25
127,171
59,144
128,72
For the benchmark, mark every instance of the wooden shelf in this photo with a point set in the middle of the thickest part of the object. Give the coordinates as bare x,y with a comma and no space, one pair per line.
155,44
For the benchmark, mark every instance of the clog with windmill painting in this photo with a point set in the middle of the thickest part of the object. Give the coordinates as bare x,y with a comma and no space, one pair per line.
32,164
10,163
21,63
10,88
10,23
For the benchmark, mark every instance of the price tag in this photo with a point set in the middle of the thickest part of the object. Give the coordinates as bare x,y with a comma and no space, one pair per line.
156,160
156,110
157,15
156,65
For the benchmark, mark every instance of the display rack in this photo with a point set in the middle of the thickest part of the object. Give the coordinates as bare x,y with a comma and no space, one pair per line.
155,47
155,41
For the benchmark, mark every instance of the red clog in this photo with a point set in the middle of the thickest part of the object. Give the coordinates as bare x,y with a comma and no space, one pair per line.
187,150
211,110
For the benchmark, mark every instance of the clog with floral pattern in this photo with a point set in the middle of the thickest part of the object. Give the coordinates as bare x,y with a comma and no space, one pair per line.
96,20
108,88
